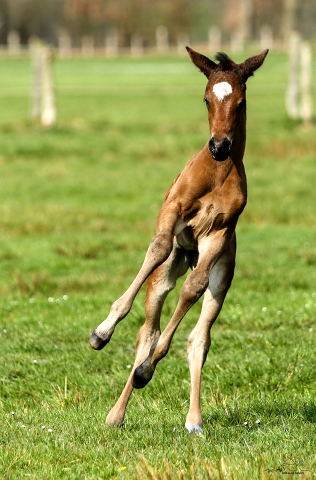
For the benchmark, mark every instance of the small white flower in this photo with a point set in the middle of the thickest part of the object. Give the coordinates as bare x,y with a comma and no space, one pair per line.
174,429
34,361
246,423
12,413
129,366
279,312
23,426
31,300
4,330
49,430
311,329
65,297
43,427
166,408
51,299
258,422
264,309
307,305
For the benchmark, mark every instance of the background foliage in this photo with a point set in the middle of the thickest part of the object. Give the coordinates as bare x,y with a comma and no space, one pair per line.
46,18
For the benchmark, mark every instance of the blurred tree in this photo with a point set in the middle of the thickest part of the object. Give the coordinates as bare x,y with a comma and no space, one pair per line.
283,16
34,18
4,21
44,18
83,17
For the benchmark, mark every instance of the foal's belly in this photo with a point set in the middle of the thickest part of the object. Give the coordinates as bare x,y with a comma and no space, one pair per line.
185,239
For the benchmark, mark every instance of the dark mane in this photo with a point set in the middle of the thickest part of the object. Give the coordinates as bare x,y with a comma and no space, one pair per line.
225,63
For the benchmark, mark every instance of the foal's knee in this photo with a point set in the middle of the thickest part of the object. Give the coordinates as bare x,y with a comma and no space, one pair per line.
199,343
160,247
194,287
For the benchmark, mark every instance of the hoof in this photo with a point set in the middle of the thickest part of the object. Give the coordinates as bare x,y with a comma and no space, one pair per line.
96,342
111,421
194,429
142,376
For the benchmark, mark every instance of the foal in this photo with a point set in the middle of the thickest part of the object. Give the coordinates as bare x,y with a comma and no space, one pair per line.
195,228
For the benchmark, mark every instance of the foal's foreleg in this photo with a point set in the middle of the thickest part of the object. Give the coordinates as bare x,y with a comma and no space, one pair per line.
158,251
200,340
160,283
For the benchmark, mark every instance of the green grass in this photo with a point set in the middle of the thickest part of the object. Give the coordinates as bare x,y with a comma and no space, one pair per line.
78,205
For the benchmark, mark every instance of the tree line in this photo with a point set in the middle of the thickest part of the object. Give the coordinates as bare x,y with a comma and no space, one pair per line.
45,19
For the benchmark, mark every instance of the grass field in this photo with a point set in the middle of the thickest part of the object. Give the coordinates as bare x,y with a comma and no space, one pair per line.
78,206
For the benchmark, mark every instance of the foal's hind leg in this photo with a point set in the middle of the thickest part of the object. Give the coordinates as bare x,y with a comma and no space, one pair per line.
193,288
160,283
200,340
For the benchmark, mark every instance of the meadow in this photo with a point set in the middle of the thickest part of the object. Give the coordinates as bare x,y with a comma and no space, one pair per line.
78,205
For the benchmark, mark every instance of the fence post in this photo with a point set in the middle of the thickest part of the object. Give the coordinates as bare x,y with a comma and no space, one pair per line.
14,46
292,94
182,42
36,85
87,46
162,39
266,37
214,39
64,43
137,48
306,84
112,43
48,116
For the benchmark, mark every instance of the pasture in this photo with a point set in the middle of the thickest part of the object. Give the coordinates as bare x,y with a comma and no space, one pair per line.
78,208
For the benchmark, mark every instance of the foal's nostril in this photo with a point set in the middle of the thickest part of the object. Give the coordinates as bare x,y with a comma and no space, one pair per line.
220,149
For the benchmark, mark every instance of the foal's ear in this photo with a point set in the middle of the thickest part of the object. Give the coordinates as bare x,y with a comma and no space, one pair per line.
251,64
203,63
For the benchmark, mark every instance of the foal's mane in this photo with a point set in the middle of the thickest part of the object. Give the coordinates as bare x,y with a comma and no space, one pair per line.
225,63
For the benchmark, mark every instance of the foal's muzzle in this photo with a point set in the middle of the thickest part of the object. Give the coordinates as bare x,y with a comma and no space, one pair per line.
220,149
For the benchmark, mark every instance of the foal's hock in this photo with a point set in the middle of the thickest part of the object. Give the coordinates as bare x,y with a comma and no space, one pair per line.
196,229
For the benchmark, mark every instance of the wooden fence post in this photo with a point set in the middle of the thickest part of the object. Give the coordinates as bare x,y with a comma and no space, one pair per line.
182,42
36,85
137,47
299,98
266,37
64,44
306,84
14,46
42,95
48,116
87,46
162,39
112,43
214,39
292,94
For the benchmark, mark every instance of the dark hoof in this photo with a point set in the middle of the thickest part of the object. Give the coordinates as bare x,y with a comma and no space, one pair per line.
142,376
96,342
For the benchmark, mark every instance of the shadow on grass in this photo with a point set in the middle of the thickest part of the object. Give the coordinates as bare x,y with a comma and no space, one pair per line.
258,414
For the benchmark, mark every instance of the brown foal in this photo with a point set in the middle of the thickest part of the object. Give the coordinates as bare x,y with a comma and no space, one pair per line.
195,228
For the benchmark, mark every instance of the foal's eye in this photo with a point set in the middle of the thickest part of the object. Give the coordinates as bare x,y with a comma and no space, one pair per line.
206,101
242,102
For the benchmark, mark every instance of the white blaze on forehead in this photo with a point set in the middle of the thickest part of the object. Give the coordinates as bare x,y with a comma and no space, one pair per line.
222,89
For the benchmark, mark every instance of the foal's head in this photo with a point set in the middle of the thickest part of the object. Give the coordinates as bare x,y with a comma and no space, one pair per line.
225,96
